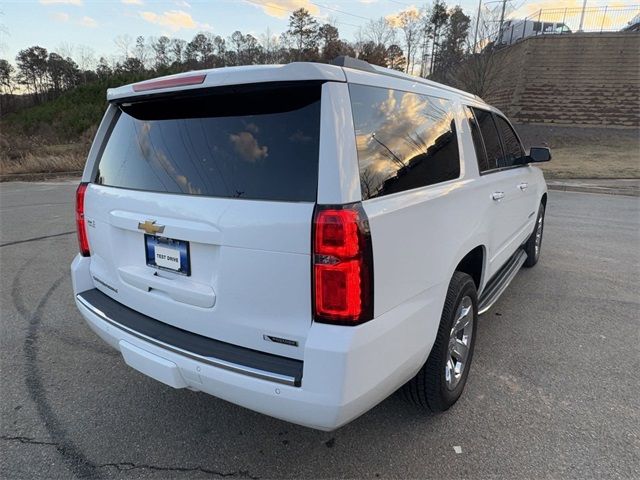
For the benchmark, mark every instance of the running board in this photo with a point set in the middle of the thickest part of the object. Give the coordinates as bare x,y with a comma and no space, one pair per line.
499,283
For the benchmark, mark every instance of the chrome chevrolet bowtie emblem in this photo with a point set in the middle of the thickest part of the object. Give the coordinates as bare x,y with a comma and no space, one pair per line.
150,227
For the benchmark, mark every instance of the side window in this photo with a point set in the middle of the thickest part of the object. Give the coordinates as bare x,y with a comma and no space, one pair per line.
481,153
404,140
490,136
513,151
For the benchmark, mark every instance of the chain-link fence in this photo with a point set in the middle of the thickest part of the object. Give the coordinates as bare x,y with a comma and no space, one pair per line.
560,21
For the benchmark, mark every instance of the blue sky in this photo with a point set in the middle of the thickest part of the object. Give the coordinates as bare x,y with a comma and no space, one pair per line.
96,23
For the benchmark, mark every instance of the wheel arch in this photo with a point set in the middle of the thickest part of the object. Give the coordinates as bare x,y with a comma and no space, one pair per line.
473,264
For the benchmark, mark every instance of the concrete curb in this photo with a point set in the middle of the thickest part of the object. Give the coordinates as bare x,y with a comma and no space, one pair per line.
624,190
38,177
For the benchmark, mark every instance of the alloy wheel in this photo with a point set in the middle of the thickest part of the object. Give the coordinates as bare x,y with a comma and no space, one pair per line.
459,343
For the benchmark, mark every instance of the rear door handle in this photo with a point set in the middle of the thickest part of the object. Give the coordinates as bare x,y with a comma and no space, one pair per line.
523,186
497,196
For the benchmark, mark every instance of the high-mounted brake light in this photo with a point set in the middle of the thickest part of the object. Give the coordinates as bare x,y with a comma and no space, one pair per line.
169,82
342,265
83,239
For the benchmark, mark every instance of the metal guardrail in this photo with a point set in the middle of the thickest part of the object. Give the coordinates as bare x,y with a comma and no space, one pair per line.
561,21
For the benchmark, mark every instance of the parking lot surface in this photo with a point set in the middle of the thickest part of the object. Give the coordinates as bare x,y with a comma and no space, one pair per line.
554,389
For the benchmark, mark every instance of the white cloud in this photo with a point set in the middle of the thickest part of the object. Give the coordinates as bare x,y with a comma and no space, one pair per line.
247,147
60,17
182,3
283,8
174,20
88,22
61,2
531,7
133,2
408,14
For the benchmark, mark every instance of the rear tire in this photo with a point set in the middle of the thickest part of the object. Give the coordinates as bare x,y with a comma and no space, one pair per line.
439,383
534,244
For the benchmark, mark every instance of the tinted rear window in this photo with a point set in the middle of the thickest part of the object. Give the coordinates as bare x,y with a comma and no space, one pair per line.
253,143
404,140
478,143
490,135
513,151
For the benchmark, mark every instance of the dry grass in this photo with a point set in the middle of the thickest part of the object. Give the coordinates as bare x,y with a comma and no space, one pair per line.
593,161
37,154
586,152
50,158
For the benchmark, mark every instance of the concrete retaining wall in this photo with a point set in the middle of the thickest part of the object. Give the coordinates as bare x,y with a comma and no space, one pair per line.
579,80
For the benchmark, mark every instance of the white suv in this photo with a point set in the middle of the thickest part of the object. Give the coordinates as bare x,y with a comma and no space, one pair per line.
302,240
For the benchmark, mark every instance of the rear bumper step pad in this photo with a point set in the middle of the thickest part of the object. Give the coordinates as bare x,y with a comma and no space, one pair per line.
200,348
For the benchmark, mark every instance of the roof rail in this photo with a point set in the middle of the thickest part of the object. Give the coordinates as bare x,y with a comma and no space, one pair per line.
357,64
350,62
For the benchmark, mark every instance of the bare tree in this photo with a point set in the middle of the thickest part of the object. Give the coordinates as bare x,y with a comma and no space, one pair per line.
160,48
426,33
269,43
85,57
66,49
236,42
380,32
123,44
141,51
410,24
251,50
479,72
199,51
177,49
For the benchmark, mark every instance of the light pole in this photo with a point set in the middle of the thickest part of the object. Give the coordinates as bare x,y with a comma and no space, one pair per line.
480,2
475,36
504,4
584,6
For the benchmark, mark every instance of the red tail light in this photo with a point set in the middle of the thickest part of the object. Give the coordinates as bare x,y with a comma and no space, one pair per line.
342,266
81,227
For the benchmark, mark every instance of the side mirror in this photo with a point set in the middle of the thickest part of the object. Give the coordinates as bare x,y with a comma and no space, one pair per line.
539,154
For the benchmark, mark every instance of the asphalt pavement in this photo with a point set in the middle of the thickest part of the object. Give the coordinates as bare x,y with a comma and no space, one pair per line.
554,390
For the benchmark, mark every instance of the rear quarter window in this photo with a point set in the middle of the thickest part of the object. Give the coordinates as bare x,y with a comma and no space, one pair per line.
404,140
513,151
246,142
478,143
493,147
